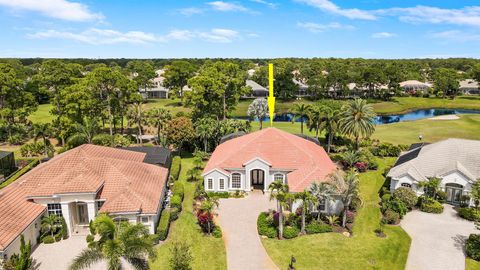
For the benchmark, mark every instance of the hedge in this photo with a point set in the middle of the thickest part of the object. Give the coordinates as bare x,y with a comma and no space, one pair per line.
19,173
178,189
317,227
472,246
48,239
223,195
266,227
290,232
175,168
429,205
217,232
468,213
176,202
407,196
163,225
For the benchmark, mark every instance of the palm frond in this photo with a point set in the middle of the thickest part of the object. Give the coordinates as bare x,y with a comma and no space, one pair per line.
138,263
85,259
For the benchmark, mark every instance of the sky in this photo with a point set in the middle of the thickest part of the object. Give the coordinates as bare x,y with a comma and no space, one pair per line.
245,29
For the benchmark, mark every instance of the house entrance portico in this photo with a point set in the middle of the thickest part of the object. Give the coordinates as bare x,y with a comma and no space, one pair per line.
257,178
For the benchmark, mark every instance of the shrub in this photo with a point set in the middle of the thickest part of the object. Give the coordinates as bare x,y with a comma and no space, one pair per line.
441,196
176,202
429,205
224,195
350,216
163,225
121,141
217,232
102,139
265,226
175,168
468,213
48,239
390,217
388,150
407,196
472,246
178,189
355,204
90,238
464,201
395,205
361,166
174,212
317,227
386,197
290,232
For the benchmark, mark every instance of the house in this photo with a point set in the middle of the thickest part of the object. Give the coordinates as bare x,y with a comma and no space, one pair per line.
469,87
302,88
158,90
257,89
455,161
255,160
414,85
77,185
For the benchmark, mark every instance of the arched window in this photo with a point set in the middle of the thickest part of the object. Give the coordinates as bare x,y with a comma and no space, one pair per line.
278,177
236,180
407,185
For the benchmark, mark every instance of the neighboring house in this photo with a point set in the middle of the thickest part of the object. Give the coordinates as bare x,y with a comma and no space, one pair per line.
455,161
414,85
469,87
255,160
257,89
302,88
77,185
158,90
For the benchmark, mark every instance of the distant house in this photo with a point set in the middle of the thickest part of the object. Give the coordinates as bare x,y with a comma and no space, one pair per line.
255,160
77,185
257,89
158,90
455,161
469,87
302,88
414,85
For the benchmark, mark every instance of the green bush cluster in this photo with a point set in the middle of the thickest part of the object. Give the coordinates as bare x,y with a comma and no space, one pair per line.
390,217
217,232
317,227
388,150
48,239
174,213
176,202
175,168
395,205
441,196
116,140
265,226
407,196
179,189
223,195
163,225
290,232
430,205
472,246
468,213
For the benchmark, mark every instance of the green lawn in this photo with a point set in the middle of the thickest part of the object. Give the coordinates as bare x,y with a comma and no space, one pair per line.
42,115
208,252
406,104
280,106
173,105
362,251
472,264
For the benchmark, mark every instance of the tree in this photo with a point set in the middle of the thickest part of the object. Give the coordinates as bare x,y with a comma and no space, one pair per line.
207,209
322,192
431,186
329,123
21,261
279,192
205,129
315,118
300,110
475,193
258,109
177,75
180,131
357,120
346,187
50,224
159,118
445,82
87,130
42,130
135,114
142,71
306,198
114,241
181,256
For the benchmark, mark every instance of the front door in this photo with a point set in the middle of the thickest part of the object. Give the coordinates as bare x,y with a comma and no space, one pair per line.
82,214
257,177
454,192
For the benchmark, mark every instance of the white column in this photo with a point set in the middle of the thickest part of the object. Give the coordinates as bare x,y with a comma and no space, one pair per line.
91,211
67,216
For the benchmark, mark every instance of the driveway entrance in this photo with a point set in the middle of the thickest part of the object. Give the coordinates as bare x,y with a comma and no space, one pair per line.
238,220
438,240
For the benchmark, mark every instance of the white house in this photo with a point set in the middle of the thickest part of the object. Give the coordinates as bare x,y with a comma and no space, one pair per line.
455,161
469,87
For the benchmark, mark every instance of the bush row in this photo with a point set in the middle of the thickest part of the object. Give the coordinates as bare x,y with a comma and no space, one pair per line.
175,168
163,225
472,246
468,213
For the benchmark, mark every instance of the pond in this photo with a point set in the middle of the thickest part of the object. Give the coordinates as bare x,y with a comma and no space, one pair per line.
380,120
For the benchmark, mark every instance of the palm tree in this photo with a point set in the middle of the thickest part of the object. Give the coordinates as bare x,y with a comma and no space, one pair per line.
315,118
349,158
43,130
329,123
431,187
49,223
208,207
85,131
258,109
322,192
306,197
346,187
135,114
124,240
300,110
205,129
357,120
279,191
159,118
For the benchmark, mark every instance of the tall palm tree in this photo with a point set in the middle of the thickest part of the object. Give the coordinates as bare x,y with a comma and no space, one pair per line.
330,119
315,118
43,131
346,186
300,110
358,120
50,223
136,115
306,197
115,241
258,109
322,192
205,129
159,118
85,131
208,207
279,192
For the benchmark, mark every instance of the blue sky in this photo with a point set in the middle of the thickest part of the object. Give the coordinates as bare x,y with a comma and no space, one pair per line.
247,29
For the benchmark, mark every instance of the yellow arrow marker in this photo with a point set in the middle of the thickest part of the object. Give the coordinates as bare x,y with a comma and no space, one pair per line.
271,98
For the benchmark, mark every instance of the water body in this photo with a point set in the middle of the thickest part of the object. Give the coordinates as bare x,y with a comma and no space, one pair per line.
380,120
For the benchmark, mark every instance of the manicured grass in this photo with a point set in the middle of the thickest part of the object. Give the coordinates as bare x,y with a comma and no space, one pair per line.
362,251
471,264
407,104
173,105
466,127
207,252
280,106
42,115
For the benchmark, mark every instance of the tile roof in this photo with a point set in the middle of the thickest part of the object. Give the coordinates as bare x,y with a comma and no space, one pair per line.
118,176
307,161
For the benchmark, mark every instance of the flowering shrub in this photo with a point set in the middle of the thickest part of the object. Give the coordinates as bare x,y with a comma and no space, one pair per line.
361,166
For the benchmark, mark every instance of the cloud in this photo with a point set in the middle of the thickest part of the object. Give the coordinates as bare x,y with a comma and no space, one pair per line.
330,7
58,9
191,11
225,6
95,36
269,4
219,35
456,36
319,28
383,35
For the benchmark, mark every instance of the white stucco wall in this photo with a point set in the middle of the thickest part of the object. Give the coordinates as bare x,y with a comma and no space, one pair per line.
215,176
456,178
405,179
31,233
258,164
332,206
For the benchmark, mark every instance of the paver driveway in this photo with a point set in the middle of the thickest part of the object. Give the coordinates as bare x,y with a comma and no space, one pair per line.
238,220
437,240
